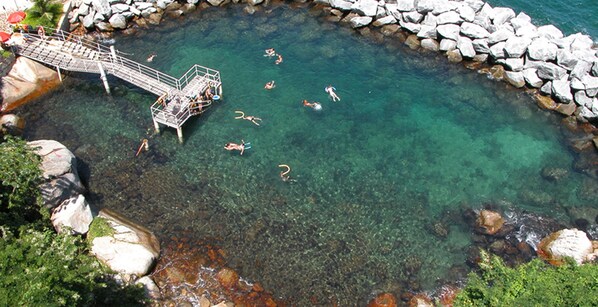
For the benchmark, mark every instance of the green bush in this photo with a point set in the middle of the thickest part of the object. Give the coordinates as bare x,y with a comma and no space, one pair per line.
20,176
41,268
532,284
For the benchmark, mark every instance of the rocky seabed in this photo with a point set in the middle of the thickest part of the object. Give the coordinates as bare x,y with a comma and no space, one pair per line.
564,68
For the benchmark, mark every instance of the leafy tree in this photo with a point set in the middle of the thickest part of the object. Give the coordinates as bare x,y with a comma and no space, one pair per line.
44,13
532,284
20,176
41,268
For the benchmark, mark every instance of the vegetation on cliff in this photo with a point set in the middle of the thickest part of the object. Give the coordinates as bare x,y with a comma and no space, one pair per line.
535,283
37,265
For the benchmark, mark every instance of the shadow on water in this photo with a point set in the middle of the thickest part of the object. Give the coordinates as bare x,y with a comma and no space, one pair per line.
412,139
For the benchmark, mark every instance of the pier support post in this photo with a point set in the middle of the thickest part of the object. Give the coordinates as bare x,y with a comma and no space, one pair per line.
179,132
156,126
104,78
59,74
113,51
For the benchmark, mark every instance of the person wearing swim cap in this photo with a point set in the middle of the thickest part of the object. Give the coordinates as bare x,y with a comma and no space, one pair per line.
314,105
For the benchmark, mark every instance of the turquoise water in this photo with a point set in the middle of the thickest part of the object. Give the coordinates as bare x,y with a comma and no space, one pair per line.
569,16
413,140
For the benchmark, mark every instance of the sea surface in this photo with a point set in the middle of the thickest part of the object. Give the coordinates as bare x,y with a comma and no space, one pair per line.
412,142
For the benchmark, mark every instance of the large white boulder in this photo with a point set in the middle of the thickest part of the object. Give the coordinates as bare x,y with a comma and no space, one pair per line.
59,169
74,215
131,250
542,49
571,243
365,7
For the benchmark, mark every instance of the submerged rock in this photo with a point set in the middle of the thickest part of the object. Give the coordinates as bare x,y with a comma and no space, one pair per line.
383,300
489,222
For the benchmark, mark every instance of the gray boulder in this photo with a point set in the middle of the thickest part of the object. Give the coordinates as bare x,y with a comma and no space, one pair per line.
410,26
118,21
443,6
513,64
581,69
88,21
473,31
502,15
561,89
454,56
516,46
143,5
337,4
486,11
59,169
430,44
529,31
542,49
549,71
497,50
449,31
450,17
430,20
546,89
365,7
515,78
406,5
591,83
500,35
427,31
361,21
581,42
102,7
425,6
480,45
447,44
582,99
73,215
531,78
386,20
414,17
549,31
476,5
131,249
466,12
483,21
465,45
219,2
119,8
566,59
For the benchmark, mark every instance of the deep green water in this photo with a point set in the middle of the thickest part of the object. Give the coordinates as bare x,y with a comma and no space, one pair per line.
413,140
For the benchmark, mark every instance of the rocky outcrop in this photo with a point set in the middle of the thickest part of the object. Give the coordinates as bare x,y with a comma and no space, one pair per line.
130,250
489,222
570,243
25,78
73,215
59,168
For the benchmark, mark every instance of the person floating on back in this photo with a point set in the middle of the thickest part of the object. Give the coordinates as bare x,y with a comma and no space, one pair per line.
270,85
151,57
314,105
250,118
330,90
240,147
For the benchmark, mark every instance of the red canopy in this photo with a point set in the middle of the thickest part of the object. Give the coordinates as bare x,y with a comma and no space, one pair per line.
16,17
4,36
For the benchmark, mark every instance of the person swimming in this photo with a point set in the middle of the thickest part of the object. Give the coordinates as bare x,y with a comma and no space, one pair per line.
240,147
330,90
270,85
314,105
270,52
151,57
250,118
278,60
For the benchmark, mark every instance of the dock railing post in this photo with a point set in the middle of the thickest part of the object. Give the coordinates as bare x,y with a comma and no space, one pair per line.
104,78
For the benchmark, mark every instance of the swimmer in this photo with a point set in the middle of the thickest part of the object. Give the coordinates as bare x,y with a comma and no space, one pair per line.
270,52
270,85
151,57
240,147
144,145
250,118
330,90
278,60
284,175
314,105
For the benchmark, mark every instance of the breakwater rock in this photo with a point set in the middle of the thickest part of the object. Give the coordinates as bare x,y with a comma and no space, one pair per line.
564,68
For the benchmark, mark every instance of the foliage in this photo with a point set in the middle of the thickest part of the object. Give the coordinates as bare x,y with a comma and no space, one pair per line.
5,53
20,176
41,268
99,228
532,284
43,13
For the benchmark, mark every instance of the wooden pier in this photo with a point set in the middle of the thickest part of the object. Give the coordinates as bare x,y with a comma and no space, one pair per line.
179,99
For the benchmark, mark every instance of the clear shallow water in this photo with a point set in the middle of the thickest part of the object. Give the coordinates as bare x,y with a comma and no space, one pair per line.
412,141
